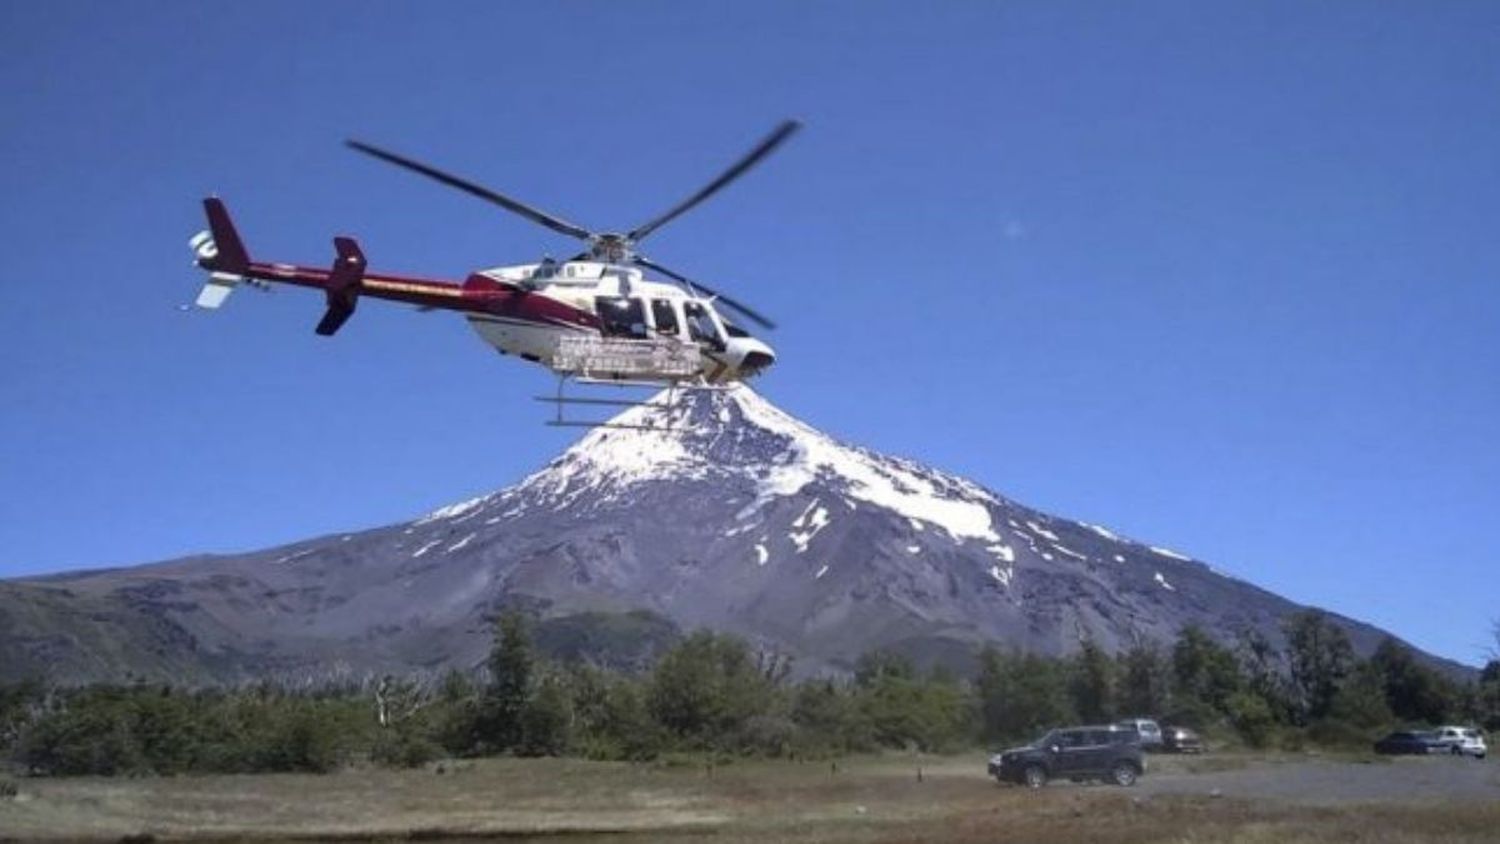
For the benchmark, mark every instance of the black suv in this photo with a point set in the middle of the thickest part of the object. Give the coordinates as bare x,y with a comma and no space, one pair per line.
1076,753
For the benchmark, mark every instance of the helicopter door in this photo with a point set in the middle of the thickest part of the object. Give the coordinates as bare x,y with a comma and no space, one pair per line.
665,318
620,316
701,326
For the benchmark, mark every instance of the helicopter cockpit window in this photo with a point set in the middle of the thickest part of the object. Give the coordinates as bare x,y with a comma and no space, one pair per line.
665,317
701,325
734,330
621,317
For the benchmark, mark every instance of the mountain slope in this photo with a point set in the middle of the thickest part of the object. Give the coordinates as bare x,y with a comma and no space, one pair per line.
740,518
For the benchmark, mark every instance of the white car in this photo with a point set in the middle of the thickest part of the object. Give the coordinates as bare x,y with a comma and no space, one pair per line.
1466,741
1149,730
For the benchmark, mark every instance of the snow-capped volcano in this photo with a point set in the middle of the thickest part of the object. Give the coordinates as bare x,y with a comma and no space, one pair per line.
722,512
736,437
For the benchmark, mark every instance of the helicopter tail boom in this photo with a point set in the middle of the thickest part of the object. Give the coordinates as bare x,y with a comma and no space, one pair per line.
222,253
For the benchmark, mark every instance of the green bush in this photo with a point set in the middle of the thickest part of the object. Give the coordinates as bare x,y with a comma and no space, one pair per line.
766,735
1336,733
91,737
302,741
404,748
546,720
1292,740
1252,718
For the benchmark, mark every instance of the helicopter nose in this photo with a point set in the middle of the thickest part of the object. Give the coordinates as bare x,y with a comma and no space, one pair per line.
755,361
751,356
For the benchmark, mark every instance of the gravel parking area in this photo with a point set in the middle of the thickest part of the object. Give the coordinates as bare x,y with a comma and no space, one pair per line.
1323,781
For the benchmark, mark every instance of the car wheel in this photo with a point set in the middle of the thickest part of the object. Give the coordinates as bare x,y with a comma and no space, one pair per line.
1123,774
1457,751
1036,776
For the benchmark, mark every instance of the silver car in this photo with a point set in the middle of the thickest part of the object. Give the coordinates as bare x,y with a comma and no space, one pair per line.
1465,741
1149,730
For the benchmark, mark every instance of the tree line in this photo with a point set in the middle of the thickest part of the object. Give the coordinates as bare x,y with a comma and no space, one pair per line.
713,695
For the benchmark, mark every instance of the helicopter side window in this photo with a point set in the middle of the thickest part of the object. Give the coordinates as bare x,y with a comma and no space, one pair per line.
701,325
621,317
665,317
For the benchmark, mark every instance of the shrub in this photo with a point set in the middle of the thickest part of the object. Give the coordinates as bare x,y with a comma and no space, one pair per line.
766,735
1293,740
306,739
1252,718
1333,732
90,737
545,721
403,748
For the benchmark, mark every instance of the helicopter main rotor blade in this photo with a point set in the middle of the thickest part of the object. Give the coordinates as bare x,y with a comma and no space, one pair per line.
554,223
746,311
763,149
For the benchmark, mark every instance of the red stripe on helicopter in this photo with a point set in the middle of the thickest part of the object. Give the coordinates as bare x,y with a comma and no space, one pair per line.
477,294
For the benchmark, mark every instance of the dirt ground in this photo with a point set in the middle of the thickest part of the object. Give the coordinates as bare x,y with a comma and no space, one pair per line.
1317,781
892,798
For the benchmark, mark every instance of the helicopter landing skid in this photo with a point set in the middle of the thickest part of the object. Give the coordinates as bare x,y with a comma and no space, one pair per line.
562,401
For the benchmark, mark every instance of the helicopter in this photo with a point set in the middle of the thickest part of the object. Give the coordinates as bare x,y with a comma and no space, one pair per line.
592,319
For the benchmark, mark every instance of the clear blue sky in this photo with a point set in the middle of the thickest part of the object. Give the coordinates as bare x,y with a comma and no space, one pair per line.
1223,277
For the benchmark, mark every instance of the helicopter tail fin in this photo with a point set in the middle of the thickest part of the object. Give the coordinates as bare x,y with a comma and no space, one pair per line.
342,286
221,252
229,253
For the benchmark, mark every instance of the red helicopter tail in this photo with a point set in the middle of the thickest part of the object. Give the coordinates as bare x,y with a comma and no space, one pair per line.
228,253
220,251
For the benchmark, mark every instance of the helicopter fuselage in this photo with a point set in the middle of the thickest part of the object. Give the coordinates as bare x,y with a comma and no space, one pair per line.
616,324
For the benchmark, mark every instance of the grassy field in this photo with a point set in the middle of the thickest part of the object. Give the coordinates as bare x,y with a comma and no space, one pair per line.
865,800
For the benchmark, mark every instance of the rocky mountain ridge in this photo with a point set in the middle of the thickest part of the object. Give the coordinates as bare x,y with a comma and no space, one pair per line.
730,514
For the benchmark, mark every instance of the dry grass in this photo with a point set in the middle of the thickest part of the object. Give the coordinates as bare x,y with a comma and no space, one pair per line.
869,800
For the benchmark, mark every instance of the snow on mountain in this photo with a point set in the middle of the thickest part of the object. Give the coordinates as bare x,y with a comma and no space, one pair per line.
736,433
